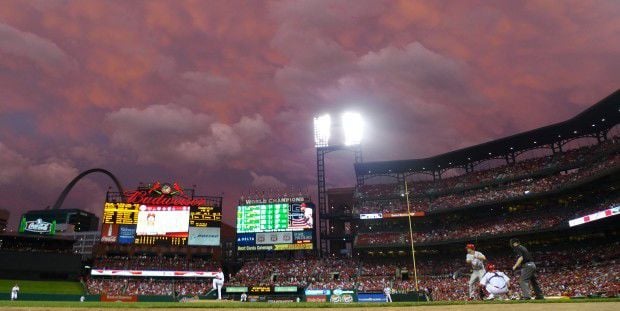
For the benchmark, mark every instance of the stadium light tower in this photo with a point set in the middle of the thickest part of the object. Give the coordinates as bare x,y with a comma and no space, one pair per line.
352,131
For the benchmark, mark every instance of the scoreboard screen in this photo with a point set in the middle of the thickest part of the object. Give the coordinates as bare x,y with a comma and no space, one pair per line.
205,216
275,226
262,218
274,217
120,213
127,223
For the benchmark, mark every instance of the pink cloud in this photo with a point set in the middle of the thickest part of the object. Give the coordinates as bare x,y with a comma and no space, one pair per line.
171,135
231,87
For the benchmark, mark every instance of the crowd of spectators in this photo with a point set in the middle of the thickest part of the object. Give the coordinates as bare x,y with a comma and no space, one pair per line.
296,272
512,190
35,244
148,262
575,271
397,234
521,169
148,286
566,160
522,188
579,271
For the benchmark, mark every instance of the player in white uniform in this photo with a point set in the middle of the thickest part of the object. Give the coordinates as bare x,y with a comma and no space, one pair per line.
495,282
307,214
388,293
14,292
244,297
476,260
218,283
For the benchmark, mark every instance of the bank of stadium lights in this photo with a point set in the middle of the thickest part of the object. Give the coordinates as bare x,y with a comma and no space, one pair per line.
322,130
352,125
353,128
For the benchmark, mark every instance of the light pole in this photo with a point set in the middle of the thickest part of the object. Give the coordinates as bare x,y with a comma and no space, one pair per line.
352,131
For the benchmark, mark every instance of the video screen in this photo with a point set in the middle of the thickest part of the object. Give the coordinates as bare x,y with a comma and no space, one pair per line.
172,221
275,226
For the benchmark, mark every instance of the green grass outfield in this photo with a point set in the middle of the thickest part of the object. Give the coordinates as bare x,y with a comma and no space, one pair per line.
42,287
257,305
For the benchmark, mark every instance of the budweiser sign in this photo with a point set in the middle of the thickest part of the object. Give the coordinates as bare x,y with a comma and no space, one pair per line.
143,197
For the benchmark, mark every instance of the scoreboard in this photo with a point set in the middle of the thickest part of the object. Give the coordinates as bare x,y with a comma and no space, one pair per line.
120,213
204,216
132,223
275,226
263,218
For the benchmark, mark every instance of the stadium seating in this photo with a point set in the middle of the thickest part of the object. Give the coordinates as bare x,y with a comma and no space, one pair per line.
390,234
144,262
148,286
383,198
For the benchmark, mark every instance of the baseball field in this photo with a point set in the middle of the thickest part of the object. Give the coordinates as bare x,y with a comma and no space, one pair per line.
569,305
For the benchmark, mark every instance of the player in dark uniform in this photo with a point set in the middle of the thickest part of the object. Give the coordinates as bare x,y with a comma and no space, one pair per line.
528,271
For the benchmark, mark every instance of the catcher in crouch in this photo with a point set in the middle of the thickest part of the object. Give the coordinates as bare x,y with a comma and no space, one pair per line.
495,282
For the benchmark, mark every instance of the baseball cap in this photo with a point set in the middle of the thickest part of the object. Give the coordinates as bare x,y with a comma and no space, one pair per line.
470,246
490,267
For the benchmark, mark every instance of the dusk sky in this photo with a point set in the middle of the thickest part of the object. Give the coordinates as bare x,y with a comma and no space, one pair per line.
221,94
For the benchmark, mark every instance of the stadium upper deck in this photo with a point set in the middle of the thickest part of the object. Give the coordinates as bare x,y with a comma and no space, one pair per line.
595,122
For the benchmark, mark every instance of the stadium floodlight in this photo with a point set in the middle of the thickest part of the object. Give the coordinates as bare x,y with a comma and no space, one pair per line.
353,126
322,130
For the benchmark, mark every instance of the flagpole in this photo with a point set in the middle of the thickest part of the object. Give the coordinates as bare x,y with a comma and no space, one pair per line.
415,271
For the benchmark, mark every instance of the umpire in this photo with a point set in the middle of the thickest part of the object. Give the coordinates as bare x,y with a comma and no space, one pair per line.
528,270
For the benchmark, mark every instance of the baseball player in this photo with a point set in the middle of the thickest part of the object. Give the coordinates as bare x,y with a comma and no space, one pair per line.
14,292
495,282
476,260
218,283
244,297
388,293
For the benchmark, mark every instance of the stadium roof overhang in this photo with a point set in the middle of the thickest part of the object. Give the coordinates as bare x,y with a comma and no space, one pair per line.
599,118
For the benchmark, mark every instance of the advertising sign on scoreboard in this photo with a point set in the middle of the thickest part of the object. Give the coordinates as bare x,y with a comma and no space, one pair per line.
273,224
162,215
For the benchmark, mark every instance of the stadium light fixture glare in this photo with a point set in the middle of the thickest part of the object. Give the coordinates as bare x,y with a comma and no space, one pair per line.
322,130
353,126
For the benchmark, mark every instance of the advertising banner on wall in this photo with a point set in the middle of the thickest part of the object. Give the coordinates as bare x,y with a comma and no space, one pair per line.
109,233
119,298
204,236
154,273
370,297
321,298
126,234
596,216
342,296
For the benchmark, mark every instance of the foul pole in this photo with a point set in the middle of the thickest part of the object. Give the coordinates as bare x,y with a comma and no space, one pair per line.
415,270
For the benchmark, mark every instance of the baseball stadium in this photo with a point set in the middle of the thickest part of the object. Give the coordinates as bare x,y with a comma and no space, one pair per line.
409,233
